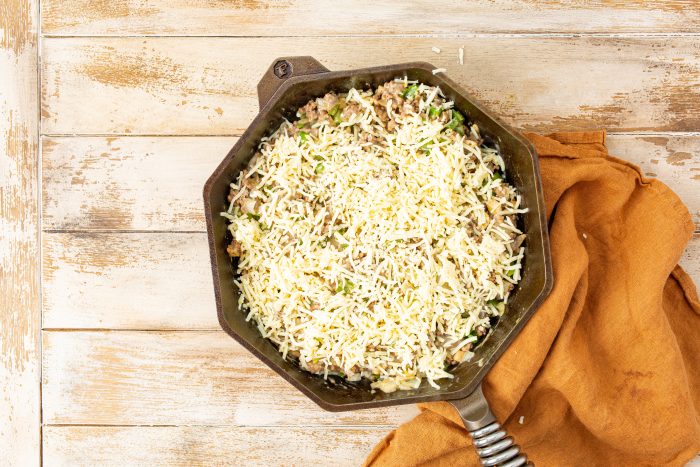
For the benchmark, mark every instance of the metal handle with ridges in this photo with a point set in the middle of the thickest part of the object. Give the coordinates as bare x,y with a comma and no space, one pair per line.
495,447
492,443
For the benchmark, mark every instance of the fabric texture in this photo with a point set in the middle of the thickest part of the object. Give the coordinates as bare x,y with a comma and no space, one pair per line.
607,371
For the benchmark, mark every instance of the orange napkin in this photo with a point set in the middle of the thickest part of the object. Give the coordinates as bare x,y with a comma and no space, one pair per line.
607,372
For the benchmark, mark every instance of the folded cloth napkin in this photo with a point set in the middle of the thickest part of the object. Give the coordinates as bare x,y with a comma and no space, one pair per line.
607,371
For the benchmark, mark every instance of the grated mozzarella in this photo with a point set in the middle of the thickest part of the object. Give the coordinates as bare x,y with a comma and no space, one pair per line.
375,253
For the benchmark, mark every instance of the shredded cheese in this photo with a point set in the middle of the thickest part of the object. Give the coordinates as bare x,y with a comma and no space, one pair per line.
375,253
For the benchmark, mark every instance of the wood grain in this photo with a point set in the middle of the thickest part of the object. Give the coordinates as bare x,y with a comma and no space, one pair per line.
206,86
131,334
207,446
127,281
132,183
20,318
155,183
314,18
176,378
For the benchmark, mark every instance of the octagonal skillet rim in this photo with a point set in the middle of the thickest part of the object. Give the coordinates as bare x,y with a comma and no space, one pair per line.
331,394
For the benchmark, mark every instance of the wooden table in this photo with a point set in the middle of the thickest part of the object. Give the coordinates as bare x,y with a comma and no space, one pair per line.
113,113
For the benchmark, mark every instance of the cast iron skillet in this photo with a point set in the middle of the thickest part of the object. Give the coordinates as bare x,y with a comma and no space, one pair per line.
288,84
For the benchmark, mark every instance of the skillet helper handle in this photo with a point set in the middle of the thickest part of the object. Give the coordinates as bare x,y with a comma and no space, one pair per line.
281,70
492,443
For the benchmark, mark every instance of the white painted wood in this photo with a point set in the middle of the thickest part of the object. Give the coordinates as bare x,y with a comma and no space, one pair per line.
127,281
318,18
206,446
20,318
176,378
132,183
213,402
206,86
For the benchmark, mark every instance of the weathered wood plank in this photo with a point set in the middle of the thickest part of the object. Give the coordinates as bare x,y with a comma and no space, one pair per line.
206,446
155,183
137,183
147,280
297,18
20,318
175,378
197,86
127,281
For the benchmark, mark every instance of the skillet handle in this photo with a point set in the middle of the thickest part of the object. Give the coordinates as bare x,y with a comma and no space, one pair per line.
282,69
491,441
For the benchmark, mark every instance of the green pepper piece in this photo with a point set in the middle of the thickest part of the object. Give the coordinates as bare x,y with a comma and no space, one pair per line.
457,116
452,124
434,111
510,273
348,286
334,110
410,92
319,169
303,135
253,216
497,176
494,302
319,158
302,122
337,118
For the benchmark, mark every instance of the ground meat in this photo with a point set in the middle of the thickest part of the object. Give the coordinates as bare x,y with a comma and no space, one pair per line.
310,111
501,190
390,91
461,353
251,182
409,107
231,194
248,205
351,109
314,367
234,249
329,100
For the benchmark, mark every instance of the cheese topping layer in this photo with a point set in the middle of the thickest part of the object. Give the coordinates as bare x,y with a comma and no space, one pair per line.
376,235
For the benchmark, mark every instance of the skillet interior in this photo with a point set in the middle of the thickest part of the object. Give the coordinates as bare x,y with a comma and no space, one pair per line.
522,171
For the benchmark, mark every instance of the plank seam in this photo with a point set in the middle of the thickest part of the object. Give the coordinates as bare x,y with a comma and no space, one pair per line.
472,35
